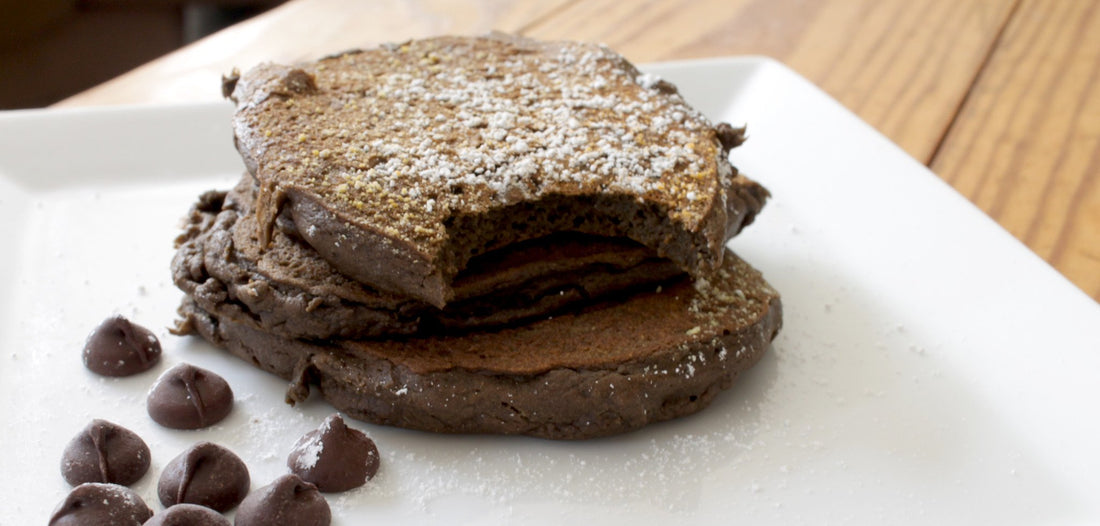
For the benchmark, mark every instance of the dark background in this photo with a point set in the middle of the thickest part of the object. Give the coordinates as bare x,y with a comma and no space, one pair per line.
51,49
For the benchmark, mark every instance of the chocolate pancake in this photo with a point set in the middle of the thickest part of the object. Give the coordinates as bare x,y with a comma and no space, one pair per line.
288,289
610,368
401,164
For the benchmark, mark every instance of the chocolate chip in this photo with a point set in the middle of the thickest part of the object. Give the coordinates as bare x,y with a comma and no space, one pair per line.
105,452
189,515
120,348
95,504
188,397
334,457
288,500
206,474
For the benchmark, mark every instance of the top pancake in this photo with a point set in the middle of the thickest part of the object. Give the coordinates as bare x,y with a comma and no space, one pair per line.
400,164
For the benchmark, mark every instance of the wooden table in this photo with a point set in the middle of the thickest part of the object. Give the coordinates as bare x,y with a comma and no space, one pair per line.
1001,98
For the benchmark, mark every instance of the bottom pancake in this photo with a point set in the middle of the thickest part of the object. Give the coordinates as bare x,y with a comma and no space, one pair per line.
607,369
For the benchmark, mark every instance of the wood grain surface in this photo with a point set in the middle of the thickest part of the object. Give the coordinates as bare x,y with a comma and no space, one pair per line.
903,66
999,97
303,30
1026,145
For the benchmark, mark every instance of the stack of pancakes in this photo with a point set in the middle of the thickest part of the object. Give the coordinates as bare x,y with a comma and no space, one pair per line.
484,235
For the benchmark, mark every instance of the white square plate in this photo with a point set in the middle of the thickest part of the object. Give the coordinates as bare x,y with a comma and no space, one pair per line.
931,369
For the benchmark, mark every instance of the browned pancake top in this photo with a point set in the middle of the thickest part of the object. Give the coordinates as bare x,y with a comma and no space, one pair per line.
402,137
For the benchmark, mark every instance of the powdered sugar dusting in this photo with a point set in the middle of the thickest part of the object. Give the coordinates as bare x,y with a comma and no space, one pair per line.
648,80
310,449
472,126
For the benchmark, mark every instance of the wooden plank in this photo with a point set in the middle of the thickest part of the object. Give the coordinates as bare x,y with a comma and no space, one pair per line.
301,30
1026,145
903,66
